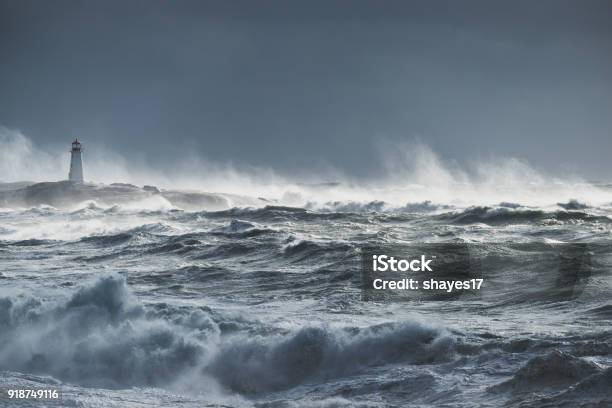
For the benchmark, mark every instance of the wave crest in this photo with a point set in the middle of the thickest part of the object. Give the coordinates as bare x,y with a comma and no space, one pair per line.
261,365
101,336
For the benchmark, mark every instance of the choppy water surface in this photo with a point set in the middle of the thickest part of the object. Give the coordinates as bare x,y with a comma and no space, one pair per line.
119,307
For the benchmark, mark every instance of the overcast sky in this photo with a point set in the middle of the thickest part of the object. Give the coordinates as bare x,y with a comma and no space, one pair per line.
299,85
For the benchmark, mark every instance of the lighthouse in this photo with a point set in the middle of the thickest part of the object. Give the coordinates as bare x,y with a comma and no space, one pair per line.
76,164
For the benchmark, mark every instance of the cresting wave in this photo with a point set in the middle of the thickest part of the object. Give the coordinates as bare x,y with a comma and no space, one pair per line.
102,336
505,215
578,382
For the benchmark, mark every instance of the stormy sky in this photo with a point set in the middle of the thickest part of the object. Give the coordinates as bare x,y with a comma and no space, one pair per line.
301,85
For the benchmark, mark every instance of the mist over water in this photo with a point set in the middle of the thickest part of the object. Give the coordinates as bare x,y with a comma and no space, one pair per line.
410,173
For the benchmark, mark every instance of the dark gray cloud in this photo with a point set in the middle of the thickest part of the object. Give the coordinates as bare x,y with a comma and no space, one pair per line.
296,85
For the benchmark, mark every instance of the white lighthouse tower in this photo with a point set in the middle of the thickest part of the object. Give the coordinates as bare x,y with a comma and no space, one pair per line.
76,164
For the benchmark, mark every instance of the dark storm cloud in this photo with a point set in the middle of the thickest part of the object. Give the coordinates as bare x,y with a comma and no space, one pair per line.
294,85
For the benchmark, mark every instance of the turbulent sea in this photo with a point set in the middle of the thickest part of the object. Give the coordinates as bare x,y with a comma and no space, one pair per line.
120,306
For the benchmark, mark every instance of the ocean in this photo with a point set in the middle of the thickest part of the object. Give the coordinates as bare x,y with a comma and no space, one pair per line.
263,306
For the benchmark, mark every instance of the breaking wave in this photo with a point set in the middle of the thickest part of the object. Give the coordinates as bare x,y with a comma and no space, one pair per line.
98,337
513,215
321,353
556,369
102,336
